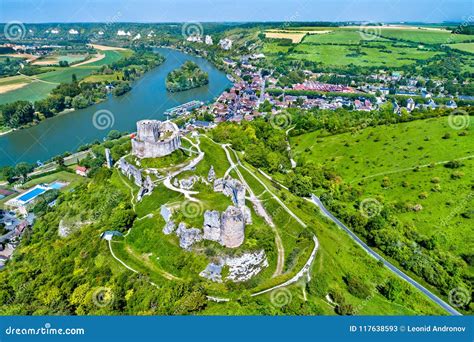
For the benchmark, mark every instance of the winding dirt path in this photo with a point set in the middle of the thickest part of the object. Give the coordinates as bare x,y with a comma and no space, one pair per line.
260,210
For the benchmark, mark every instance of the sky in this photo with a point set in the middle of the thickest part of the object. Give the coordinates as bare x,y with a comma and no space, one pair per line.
37,11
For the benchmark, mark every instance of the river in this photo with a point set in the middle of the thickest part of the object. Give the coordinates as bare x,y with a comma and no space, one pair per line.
147,100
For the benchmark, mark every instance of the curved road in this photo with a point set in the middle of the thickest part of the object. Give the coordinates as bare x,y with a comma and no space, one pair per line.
395,270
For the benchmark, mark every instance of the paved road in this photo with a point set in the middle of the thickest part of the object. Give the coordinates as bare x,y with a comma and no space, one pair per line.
395,270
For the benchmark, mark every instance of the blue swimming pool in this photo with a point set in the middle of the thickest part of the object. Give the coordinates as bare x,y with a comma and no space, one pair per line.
35,192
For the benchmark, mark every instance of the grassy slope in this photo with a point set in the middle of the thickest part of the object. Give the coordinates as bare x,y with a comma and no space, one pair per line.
384,148
375,152
148,250
338,256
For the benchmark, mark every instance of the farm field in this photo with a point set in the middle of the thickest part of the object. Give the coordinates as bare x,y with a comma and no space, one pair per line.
33,88
338,37
341,47
424,36
368,55
466,47
295,36
55,59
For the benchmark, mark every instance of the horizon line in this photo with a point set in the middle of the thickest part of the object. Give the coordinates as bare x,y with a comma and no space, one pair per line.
242,22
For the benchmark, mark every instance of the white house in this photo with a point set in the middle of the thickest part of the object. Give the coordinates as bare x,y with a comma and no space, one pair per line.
225,44
208,40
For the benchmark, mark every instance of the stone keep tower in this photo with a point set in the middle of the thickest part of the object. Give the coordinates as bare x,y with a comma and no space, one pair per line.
155,139
233,227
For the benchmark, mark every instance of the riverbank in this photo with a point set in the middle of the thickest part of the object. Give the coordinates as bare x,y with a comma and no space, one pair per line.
6,132
79,95
148,99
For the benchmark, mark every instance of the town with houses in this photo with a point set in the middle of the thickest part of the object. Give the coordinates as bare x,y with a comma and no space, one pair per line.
160,171
243,101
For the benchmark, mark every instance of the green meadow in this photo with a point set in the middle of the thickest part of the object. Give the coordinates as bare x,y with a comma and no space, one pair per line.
423,164
39,86
371,47
385,149
466,47
425,36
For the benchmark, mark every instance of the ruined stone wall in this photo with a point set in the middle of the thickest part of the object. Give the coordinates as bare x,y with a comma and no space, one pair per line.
155,139
146,149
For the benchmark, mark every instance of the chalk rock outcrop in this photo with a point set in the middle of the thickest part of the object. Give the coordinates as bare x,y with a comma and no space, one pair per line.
233,227
64,230
169,227
211,176
232,188
213,271
246,266
187,183
187,237
241,268
212,225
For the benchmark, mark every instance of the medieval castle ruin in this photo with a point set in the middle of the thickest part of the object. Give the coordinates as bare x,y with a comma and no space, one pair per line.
130,171
155,139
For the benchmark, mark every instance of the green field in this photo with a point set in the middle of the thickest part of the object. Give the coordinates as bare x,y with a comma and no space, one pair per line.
381,54
466,47
419,175
368,47
425,36
379,150
337,37
39,86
